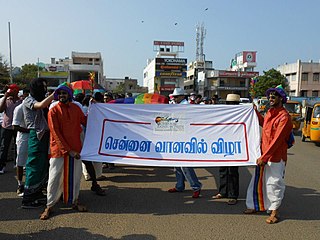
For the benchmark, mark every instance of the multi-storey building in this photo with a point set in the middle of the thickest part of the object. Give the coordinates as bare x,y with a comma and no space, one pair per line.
205,80
303,78
83,63
167,71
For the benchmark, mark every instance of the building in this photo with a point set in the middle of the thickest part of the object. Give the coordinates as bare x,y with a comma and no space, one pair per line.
166,71
73,69
205,80
244,61
56,72
83,63
221,82
126,85
196,76
302,77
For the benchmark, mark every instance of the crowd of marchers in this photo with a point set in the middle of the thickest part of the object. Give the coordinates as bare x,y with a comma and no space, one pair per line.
48,129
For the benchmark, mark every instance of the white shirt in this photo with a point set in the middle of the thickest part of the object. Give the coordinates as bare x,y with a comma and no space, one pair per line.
18,119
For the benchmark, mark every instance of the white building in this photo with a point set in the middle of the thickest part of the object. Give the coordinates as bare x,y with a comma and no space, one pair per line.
73,69
83,63
166,71
303,78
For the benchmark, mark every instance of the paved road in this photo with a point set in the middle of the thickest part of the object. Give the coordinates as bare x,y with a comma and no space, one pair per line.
137,206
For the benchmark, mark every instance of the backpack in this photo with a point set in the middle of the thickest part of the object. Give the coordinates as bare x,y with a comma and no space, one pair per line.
290,142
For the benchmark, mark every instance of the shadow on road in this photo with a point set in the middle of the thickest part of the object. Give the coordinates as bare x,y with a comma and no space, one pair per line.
146,196
71,233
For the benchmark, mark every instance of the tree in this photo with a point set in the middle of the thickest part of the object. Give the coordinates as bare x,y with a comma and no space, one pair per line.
28,72
271,78
4,72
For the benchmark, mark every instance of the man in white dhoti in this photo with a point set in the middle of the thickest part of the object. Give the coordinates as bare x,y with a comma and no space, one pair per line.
64,121
267,186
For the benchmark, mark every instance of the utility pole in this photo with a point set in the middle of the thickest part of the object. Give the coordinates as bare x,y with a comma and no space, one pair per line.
11,80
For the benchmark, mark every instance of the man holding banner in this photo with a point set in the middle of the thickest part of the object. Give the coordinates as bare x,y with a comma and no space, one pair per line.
267,186
184,173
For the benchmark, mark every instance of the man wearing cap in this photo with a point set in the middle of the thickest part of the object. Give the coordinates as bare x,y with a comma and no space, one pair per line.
192,98
184,173
276,129
9,102
229,176
64,121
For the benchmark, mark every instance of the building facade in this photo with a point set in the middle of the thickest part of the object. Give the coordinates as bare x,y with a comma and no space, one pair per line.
203,79
166,71
303,78
126,85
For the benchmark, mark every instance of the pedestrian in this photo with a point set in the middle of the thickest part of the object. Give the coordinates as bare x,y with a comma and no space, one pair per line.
35,108
229,176
8,103
20,127
65,121
184,173
267,186
107,98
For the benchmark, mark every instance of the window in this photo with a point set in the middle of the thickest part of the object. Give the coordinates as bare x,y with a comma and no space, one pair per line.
304,77
314,93
316,77
242,83
304,93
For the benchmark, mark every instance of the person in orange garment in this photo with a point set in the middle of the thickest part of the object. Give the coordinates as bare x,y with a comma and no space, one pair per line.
267,186
64,121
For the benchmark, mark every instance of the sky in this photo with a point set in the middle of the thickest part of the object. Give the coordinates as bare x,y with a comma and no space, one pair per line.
281,31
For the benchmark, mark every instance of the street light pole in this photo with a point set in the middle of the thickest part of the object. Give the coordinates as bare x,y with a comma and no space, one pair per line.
11,80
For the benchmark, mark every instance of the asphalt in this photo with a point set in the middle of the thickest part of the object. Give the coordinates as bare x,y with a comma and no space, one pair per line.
138,206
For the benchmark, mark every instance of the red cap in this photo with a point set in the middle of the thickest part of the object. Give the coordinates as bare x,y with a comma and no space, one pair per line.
13,87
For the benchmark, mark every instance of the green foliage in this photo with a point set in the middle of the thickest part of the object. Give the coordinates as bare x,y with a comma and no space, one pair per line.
4,72
271,78
28,72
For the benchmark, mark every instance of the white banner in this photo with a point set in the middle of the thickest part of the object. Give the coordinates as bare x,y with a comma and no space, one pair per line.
172,135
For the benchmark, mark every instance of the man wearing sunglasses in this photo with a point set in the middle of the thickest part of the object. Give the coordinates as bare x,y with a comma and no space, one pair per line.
276,129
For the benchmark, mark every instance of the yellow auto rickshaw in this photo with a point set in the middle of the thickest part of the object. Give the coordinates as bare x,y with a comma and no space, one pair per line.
311,126
295,111
262,105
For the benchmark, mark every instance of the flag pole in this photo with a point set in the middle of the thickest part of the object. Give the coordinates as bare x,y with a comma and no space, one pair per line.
11,79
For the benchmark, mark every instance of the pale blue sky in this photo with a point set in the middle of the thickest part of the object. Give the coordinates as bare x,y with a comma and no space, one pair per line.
279,30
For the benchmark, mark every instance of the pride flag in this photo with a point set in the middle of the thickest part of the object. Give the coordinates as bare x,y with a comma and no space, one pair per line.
150,98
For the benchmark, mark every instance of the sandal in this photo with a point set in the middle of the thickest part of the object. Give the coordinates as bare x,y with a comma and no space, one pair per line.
232,201
45,214
274,217
249,211
218,196
272,220
79,207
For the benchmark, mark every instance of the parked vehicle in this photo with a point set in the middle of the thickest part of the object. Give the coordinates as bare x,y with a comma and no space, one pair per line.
295,110
311,126
245,101
262,105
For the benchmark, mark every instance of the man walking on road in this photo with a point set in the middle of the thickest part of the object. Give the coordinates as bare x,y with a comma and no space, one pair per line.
64,121
267,186
184,173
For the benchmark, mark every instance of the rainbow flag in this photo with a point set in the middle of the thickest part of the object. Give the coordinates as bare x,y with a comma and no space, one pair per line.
151,98
258,189
68,179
